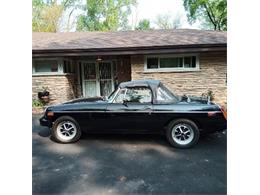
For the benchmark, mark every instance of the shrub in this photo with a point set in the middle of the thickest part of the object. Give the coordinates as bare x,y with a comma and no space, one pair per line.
210,94
37,103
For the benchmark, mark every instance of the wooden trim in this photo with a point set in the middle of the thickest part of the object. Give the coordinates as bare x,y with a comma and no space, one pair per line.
126,51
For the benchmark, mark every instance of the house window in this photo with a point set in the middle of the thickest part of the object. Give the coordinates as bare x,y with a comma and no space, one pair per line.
45,66
68,66
161,63
152,63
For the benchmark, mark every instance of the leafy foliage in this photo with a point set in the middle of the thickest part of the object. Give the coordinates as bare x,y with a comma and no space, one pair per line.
143,25
212,12
47,14
37,103
210,94
105,15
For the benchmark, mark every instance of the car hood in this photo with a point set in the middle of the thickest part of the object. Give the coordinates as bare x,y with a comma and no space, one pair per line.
85,100
83,104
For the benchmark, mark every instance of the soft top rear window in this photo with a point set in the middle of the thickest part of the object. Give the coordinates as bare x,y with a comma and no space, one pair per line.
164,95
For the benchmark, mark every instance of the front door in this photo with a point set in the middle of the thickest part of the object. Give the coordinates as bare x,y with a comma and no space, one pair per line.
97,78
106,83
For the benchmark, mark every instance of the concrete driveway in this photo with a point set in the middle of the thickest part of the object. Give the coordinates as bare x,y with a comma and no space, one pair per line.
123,164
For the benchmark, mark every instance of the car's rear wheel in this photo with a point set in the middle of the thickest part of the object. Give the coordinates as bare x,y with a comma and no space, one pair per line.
182,133
66,130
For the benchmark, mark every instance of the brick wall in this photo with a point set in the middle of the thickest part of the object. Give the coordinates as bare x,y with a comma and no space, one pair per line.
123,69
211,76
61,87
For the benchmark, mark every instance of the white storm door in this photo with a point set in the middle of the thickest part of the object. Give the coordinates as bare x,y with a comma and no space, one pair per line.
90,79
106,81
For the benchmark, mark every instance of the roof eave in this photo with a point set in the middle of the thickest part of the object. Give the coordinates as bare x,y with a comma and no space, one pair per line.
130,50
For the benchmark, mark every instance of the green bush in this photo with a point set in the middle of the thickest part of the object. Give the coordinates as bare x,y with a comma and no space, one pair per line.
37,103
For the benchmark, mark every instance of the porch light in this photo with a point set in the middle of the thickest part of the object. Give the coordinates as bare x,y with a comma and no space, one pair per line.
99,58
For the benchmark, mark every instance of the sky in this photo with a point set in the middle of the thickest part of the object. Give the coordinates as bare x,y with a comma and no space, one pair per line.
149,9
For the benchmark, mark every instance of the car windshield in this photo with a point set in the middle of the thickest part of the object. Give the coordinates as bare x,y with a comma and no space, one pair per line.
112,95
165,95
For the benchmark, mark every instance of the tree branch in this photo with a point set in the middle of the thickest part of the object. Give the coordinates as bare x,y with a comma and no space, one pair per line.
220,19
68,23
210,17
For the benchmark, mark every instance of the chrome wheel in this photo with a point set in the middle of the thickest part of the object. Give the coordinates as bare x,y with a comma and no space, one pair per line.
182,134
66,130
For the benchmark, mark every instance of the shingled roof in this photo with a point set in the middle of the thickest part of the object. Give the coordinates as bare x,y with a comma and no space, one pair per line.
126,39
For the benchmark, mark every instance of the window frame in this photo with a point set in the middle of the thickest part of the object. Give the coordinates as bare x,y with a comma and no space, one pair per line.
182,69
59,62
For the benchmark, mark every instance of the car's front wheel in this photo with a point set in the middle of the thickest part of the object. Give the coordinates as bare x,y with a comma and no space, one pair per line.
66,130
182,133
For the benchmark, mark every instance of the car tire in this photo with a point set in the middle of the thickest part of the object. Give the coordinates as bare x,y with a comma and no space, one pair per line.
66,130
182,133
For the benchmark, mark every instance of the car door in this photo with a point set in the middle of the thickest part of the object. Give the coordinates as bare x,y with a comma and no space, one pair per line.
131,110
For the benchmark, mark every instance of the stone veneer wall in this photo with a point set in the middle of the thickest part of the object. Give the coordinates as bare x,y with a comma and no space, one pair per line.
123,69
211,76
61,87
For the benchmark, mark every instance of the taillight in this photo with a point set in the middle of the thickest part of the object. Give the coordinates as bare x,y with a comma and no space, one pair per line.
224,111
50,114
211,114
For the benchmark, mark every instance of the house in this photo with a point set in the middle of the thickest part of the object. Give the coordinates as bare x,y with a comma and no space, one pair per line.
86,64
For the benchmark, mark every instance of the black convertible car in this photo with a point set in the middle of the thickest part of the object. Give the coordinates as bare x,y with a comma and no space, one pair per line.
143,106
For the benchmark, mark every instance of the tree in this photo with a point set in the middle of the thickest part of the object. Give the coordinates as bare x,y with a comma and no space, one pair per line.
143,25
213,13
166,21
105,15
47,14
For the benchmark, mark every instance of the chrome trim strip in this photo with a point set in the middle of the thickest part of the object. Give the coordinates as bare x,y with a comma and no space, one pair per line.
140,111
185,111
77,111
